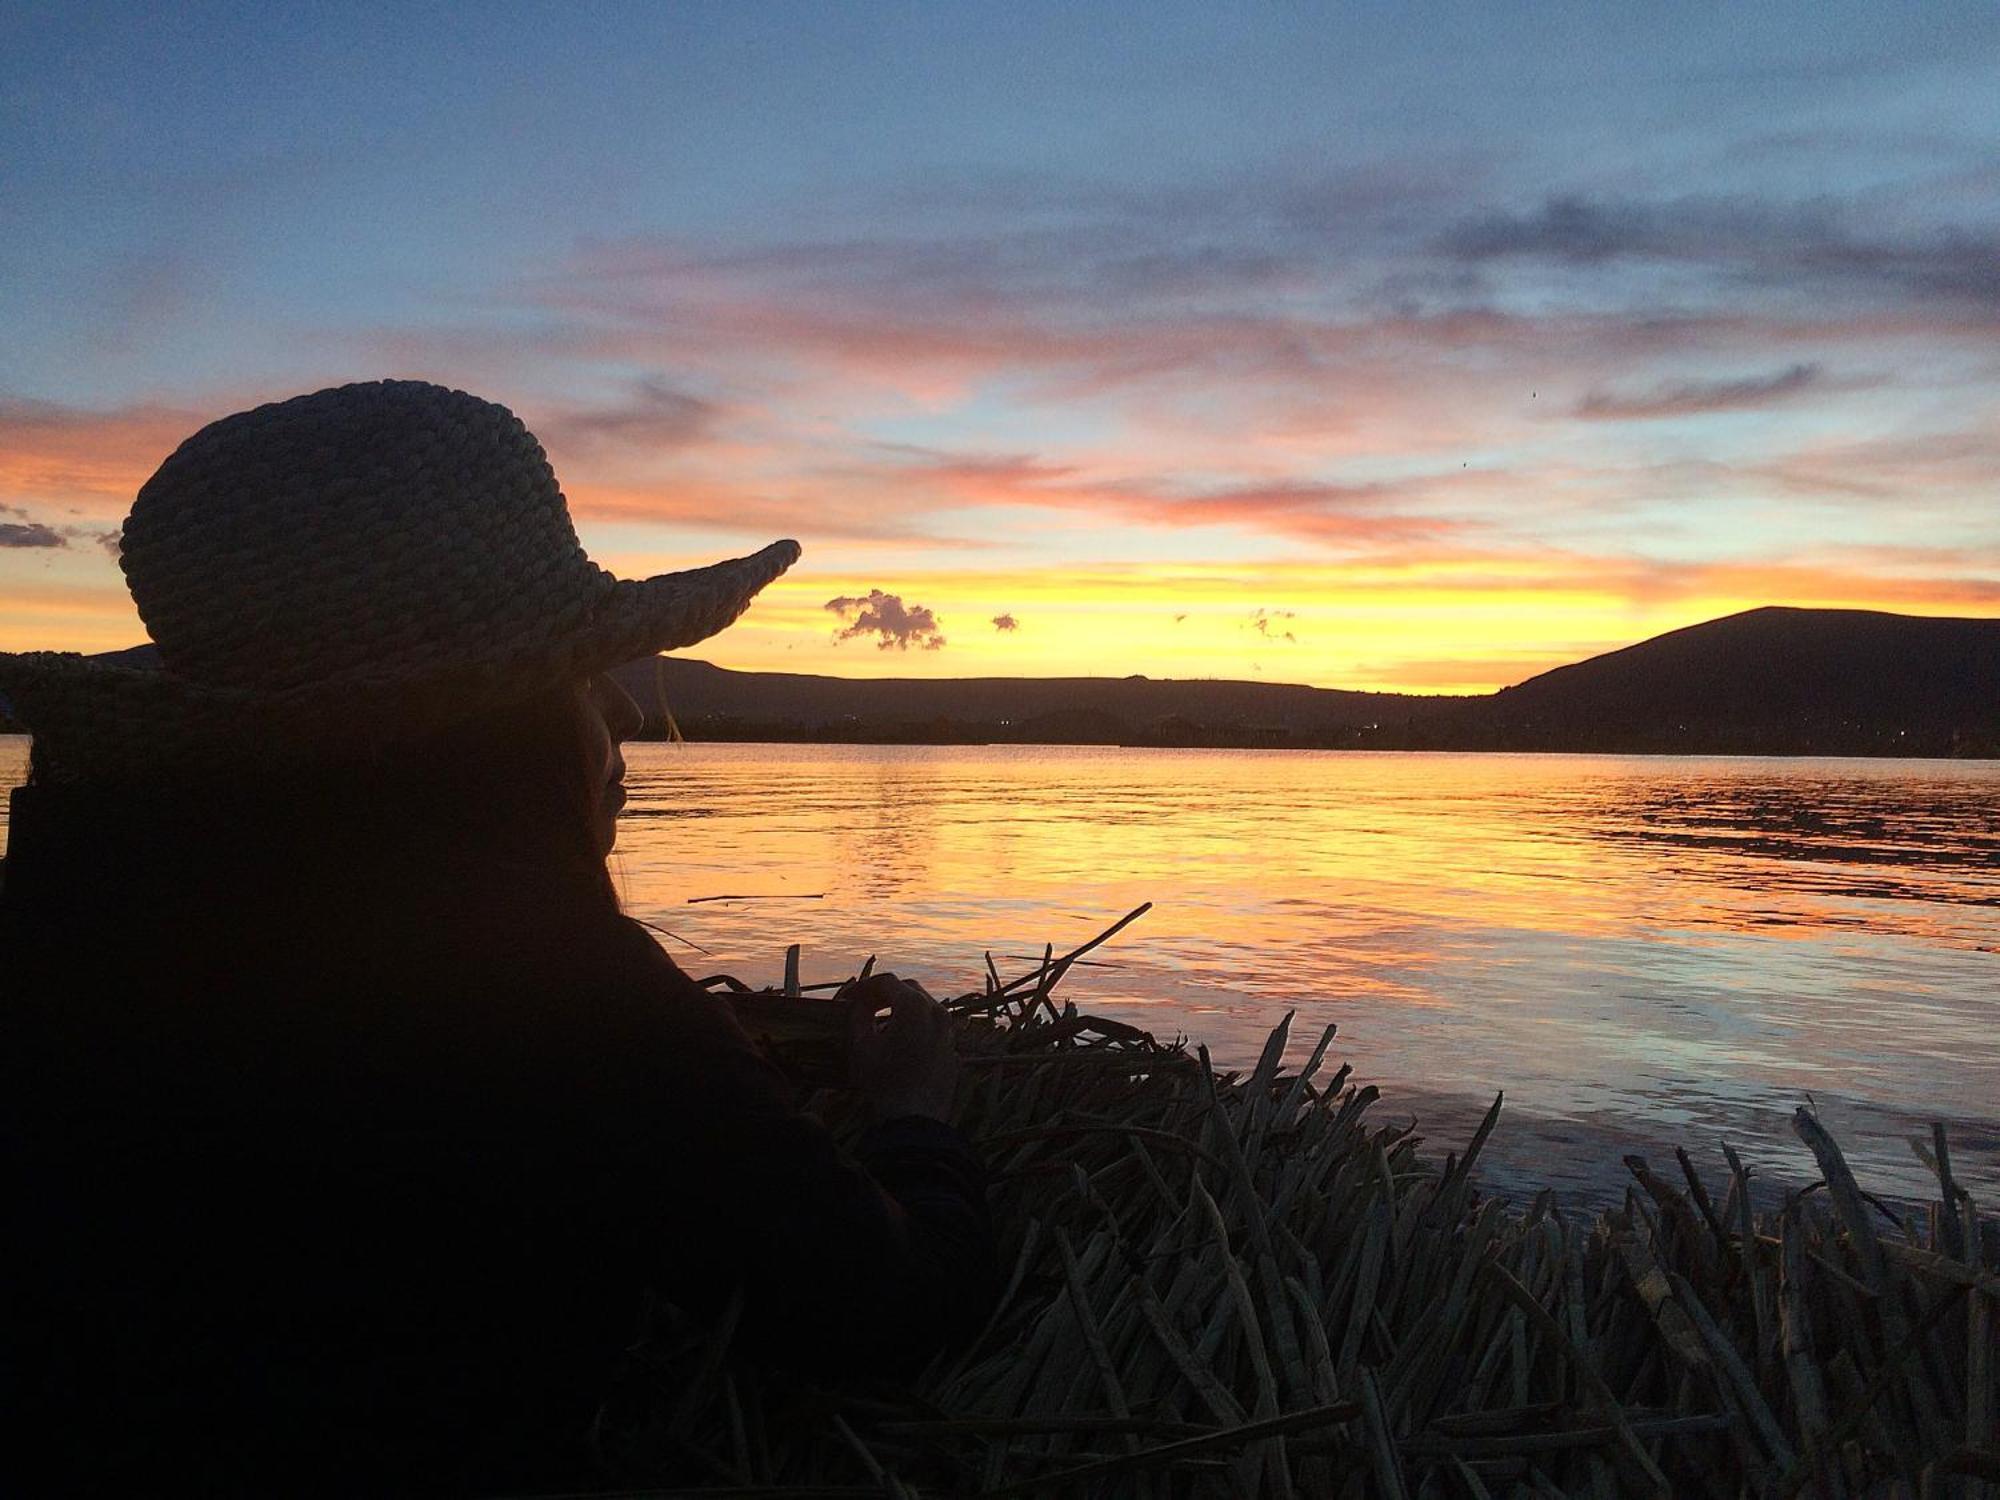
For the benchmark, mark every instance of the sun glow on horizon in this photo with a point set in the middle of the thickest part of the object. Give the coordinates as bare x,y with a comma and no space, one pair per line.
1458,626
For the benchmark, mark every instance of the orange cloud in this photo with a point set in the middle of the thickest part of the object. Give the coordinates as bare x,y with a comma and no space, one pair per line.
80,462
1377,513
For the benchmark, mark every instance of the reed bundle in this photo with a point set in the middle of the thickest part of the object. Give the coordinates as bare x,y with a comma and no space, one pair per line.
1237,1285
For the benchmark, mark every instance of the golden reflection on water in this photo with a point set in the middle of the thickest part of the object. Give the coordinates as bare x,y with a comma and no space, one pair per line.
1642,951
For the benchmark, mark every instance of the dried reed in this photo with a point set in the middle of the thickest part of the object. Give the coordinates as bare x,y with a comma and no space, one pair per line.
1228,1285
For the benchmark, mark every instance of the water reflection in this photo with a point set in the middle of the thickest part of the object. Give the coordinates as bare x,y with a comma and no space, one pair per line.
1840,835
1640,951
1643,952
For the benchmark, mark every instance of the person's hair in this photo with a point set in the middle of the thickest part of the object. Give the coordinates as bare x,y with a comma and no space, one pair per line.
517,786
505,795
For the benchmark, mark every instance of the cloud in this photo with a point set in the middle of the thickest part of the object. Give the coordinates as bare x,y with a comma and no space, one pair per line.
27,533
653,415
30,534
1365,513
1572,229
898,626
1818,245
810,507
1266,621
1358,308
1309,354
1274,277
1938,469
1316,510
1340,360
88,460
1006,623
1682,398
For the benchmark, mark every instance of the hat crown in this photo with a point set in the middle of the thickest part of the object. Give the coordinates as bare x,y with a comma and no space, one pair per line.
367,530
326,575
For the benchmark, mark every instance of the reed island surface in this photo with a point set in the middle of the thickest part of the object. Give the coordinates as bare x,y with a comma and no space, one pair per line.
1241,1284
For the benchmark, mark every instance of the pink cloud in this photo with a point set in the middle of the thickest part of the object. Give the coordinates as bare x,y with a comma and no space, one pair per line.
1951,467
895,625
85,462
1376,514
933,319
781,508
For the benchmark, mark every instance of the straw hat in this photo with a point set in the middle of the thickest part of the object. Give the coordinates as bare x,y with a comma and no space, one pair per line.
324,574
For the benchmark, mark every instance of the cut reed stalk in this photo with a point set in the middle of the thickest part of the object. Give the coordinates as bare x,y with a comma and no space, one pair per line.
1250,1289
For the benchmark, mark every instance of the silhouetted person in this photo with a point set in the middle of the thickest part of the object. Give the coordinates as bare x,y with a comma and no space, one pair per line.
347,1120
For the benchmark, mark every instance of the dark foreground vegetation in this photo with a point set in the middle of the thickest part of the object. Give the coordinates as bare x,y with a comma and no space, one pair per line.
1231,1285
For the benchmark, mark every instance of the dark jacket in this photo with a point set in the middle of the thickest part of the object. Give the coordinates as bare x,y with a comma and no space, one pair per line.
359,1187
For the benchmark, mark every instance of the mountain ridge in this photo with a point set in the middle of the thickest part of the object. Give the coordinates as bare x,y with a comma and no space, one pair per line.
1776,680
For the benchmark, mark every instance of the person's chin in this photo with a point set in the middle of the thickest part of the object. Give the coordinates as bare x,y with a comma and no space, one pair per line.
610,806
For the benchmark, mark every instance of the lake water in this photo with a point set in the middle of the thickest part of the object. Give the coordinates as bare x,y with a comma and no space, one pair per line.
1643,952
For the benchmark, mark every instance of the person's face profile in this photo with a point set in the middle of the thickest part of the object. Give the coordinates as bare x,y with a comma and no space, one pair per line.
613,718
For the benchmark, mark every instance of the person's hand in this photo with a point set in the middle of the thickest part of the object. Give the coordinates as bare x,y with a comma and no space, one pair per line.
907,1064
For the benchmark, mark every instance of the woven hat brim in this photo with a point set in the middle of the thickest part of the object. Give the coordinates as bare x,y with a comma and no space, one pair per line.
673,610
98,719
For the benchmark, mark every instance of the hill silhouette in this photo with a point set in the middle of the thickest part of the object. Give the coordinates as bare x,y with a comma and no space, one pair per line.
1771,681
712,702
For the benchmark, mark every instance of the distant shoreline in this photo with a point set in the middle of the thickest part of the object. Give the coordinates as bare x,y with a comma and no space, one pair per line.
768,734
778,735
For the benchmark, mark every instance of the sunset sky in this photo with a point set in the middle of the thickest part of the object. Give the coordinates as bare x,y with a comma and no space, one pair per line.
1414,347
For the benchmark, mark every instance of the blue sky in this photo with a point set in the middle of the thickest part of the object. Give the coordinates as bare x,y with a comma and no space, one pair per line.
1474,337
